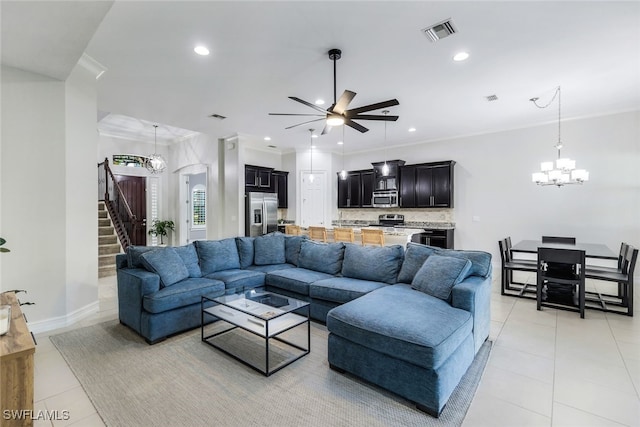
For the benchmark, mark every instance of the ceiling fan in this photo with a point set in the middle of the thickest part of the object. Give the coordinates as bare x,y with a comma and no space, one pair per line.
337,114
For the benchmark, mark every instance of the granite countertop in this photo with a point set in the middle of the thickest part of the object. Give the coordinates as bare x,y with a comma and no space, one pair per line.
438,225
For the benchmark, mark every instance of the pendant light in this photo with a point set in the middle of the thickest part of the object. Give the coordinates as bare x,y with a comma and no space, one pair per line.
311,177
565,171
343,172
155,163
385,167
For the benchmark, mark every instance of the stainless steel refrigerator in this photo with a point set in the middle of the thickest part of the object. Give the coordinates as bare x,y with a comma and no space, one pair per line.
261,214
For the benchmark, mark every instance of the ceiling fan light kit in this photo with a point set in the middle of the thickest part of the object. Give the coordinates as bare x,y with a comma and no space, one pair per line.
338,114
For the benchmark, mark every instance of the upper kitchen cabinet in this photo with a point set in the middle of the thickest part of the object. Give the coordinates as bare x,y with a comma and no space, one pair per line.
427,185
257,178
280,180
357,190
388,180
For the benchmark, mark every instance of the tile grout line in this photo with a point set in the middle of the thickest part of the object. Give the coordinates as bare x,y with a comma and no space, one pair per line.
624,361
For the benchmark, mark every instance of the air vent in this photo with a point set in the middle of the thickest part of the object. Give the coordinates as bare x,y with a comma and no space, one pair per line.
272,146
439,31
492,98
217,116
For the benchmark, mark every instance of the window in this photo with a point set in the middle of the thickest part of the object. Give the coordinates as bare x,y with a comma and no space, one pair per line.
198,206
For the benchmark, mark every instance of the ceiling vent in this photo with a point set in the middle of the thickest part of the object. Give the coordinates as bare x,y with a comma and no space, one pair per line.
439,31
492,98
217,116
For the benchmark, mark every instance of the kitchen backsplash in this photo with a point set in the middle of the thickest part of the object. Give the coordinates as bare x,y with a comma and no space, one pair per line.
410,215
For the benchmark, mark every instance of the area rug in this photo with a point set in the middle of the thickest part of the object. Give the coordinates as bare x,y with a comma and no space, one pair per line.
185,382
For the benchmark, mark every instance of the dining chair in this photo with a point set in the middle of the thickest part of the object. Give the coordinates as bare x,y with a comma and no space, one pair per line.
291,229
372,236
318,233
623,276
509,265
560,273
556,239
343,235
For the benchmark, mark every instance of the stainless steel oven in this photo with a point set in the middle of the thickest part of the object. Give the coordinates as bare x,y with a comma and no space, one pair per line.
385,199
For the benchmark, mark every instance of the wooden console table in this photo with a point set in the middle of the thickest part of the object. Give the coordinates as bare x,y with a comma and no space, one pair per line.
16,367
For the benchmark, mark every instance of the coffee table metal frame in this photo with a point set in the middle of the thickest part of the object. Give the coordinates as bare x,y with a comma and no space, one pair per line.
243,310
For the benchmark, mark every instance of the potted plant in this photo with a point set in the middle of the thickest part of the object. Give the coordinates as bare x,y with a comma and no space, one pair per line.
161,228
2,242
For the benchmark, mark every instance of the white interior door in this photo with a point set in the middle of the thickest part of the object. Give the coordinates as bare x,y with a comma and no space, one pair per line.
312,192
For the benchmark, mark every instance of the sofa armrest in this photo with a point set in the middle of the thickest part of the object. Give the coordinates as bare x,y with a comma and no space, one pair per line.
474,295
122,261
133,285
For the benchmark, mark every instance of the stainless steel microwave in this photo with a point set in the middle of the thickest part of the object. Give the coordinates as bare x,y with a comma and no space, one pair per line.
385,199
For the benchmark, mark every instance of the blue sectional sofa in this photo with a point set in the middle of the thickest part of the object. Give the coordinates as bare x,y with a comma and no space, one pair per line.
410,321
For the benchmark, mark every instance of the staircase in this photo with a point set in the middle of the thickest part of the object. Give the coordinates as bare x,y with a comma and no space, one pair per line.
108,245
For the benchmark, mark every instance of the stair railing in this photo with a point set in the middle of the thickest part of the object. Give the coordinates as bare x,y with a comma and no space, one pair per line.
109,191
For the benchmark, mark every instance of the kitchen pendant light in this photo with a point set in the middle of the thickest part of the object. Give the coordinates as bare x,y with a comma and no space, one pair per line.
385,167
311,178
343,172
155,162
565,171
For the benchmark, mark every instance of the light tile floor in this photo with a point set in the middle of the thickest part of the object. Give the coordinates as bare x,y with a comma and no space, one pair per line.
547,368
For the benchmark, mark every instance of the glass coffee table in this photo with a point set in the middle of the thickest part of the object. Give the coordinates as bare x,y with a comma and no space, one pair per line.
252,317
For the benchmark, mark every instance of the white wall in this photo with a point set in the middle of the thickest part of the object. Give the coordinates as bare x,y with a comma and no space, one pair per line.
493,182
48,169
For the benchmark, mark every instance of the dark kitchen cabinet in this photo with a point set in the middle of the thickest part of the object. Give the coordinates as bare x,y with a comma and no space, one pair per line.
357,190
280,179
257,178
427,185
435,237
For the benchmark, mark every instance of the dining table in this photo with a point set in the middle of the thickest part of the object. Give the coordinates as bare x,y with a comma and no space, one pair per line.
591,250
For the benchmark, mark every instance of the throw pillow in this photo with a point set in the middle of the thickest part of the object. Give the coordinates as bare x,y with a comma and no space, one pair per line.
245,250
217,255
167,264
480,261
292,248
269,249
439,274
379,264
190,259
323,257
133,255
415,255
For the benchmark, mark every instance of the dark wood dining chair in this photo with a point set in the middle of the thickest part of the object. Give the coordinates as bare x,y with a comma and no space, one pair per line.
560,274
509,265
556,239
623,276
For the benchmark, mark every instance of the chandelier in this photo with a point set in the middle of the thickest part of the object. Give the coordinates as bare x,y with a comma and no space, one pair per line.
155,163
565,171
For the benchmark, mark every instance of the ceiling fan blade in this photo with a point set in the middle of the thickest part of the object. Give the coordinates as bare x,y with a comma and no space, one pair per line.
290,114
343,102
304,123
355,125
326,129
371,107
315,107
374,117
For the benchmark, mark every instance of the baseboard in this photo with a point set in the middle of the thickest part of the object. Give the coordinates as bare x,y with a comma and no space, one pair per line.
64,321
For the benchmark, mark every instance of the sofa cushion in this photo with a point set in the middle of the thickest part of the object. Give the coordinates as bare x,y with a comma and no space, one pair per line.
217,255
403,323
480,261
439,274
245,250
190,258
271,267
292,248
183,293
134,252
379,264
167,264
322,257
415,255
239,278
269,249
295,279
342,289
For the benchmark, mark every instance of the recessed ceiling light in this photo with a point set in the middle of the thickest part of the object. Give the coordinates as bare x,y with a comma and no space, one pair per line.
412,129
319,101
340,142
267,138
460,56
201,50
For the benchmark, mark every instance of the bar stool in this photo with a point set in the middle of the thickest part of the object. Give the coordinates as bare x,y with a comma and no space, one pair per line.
372,237
291,229
343,235
318,233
